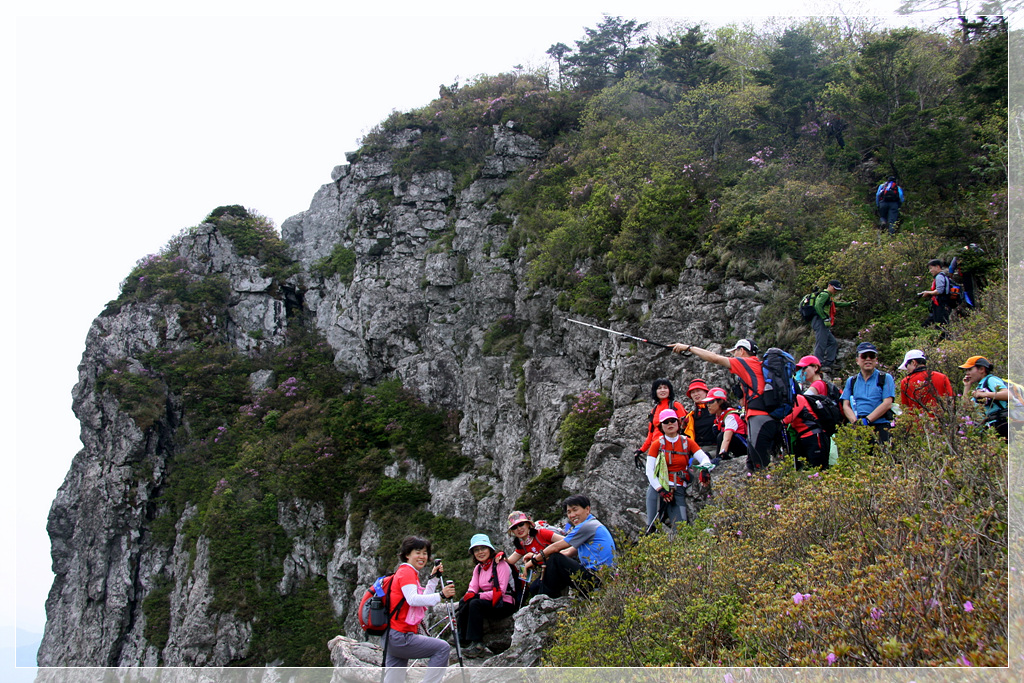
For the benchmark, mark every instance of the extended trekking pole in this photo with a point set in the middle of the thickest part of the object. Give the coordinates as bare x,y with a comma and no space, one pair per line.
450,608
663,515
621,334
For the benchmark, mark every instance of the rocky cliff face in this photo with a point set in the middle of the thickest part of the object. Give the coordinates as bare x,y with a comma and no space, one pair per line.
426,287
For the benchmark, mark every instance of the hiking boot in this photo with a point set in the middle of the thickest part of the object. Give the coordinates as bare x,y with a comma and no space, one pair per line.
475,650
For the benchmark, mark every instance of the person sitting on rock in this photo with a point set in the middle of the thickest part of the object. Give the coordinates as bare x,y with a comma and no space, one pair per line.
590,544
730,429
529,540
489,596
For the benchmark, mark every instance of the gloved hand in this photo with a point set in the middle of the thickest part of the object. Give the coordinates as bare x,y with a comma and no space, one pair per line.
667,495
704,477
864,421
639,459
828,323
468,596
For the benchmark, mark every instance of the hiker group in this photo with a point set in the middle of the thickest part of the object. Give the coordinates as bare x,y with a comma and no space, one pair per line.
541,562
773,404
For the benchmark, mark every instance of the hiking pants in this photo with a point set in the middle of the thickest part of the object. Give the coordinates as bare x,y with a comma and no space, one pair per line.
939,313
472,614
890,213
404,646
676,509
825,345
813,449
761,434
737,446
562,572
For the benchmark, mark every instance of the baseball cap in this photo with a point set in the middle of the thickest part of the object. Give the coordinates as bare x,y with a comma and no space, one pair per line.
744,344
717,394
667,414
836,284
912,354
808,360
980,361
864,347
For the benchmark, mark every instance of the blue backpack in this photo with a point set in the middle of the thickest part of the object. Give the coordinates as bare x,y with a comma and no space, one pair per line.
777,391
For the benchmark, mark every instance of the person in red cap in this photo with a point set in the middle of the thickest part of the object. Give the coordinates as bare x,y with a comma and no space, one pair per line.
987,390
664,397
808,376
923,390
762,428
812,443
668,478
699,423
730,430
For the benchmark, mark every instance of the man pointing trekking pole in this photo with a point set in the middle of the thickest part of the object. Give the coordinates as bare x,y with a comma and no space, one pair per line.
762,429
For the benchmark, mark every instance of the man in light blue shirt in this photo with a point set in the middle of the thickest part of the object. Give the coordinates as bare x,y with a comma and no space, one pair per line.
586,539
867,396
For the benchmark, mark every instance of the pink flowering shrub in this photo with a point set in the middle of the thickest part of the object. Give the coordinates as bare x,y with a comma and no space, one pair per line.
589,412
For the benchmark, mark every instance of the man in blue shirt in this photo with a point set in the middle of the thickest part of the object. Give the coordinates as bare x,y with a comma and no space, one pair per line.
586,539
867,397
888,199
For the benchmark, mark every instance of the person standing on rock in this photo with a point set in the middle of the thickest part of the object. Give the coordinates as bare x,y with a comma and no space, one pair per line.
588,540
490,595
825,345
762,429
668,470
403,641
664,397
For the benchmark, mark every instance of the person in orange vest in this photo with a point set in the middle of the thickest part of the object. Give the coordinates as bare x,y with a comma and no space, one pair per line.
677,450
664,397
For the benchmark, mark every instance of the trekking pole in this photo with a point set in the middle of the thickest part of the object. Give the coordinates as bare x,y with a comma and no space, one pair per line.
662,516
450,608
522,596
621,334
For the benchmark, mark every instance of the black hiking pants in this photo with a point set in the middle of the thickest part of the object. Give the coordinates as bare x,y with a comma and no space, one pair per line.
562,572
472,614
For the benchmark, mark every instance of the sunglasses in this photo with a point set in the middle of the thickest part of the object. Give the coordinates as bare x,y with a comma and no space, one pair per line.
516,526
869,355
669,421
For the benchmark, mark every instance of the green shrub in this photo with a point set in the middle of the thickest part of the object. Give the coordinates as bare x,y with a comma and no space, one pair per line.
543,495
341,262
139,393
589,412
504,335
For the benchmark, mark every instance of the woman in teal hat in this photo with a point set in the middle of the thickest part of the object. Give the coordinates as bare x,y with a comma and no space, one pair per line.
490,595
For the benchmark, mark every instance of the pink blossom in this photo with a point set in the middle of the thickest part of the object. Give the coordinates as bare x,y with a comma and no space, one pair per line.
831,658
968,607
963,661
777,507
876,613
798,598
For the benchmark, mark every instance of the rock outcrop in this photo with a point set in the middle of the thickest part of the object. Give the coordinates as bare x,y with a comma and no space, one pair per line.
427,286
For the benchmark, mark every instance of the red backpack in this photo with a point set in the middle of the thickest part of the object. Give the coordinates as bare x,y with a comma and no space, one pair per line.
374,609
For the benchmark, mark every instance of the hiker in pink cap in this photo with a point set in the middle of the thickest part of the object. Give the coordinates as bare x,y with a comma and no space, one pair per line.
668,470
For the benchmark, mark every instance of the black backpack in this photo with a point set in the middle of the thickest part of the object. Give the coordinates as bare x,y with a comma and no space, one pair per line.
806,306
777,390
828,411
890,193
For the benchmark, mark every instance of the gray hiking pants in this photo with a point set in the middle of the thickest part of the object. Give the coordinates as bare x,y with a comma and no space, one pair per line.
676,509
825,344
404,646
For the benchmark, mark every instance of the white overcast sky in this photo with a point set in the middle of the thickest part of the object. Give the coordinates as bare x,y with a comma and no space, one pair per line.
129,128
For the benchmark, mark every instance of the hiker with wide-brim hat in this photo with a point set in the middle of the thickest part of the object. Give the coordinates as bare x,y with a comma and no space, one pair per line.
490,595
404,642
529,540
988,391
